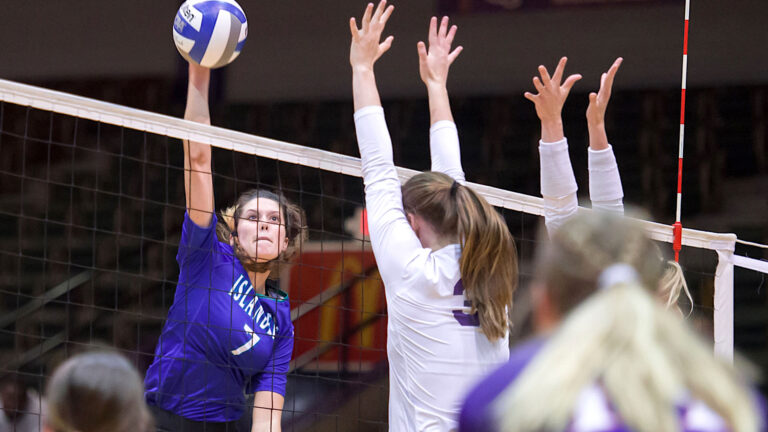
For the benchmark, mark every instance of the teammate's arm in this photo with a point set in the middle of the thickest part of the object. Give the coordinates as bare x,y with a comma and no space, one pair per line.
365,50
605,189
434,63
198,182
558,184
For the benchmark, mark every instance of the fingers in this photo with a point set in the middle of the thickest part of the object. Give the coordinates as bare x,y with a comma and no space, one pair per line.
593,98
570,81
386,45
443,28
432,37
353,28
379,11
421,48
367,16
451,35
558,75
606,82
452,56
537,84
530,96
387,14
544,76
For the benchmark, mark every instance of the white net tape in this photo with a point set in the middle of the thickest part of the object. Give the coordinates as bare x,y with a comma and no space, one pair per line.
63,103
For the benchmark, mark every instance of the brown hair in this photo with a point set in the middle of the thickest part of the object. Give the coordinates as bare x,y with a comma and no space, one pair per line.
295,230
97,391
488,262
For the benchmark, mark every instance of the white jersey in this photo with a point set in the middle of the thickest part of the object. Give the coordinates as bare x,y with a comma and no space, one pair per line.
558,184
436,349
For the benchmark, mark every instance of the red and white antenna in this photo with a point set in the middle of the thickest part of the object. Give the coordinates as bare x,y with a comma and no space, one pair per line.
678,227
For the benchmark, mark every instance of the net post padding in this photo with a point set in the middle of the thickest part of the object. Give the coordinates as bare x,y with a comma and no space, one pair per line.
91,109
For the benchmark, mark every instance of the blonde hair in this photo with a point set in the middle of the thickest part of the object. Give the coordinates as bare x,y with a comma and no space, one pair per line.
671,285
295,230
488,262
645,358
95,392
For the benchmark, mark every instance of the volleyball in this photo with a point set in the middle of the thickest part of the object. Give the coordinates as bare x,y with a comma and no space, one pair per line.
210,33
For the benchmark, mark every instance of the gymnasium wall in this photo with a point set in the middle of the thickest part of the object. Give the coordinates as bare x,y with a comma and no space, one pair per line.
297,49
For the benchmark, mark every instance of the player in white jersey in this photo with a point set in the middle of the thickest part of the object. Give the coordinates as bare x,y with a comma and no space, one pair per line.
445,255
558,183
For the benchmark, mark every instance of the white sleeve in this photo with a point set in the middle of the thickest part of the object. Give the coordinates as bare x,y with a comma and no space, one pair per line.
394,243
444,149
558,184
604,181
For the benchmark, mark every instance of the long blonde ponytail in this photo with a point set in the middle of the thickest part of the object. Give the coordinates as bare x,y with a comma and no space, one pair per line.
644,357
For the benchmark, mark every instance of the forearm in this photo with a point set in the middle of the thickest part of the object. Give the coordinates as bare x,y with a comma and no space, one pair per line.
598,138
444,149
605,189
552,130
267,411
364,90
198,182
558,183
439,103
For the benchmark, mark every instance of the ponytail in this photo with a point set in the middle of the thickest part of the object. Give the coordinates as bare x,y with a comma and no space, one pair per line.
616,335
488,263
673,283
644,359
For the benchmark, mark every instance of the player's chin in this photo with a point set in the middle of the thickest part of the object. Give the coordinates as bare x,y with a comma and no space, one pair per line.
266,254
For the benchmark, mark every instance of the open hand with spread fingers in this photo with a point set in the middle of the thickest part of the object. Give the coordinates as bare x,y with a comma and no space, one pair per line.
435,61
550,98
366,45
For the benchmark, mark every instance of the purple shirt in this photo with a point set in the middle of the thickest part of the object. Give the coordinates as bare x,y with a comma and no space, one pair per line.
593,411
221,339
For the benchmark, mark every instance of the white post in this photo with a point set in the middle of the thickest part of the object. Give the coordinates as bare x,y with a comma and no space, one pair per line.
723,301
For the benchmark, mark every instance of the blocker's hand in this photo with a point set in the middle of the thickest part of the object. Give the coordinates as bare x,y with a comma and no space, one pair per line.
598,102
551,95
366,48
434,64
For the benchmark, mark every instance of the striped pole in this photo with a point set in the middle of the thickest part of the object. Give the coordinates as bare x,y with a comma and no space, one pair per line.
678,227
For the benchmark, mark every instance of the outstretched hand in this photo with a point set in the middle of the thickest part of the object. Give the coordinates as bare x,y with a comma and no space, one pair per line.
598,102
435,62
366,47
551,95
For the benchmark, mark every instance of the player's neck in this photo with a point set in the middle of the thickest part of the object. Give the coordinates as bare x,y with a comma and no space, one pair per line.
259,281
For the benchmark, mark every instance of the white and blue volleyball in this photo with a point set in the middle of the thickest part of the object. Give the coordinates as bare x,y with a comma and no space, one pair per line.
210,33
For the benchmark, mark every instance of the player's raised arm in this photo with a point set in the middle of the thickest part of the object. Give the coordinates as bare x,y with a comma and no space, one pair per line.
198,182
365,49
558,184
434,63
604,181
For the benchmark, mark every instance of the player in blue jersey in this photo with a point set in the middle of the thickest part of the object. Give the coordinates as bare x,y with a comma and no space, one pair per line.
229,330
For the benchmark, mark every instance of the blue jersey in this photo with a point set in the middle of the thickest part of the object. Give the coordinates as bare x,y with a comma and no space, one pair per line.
221,339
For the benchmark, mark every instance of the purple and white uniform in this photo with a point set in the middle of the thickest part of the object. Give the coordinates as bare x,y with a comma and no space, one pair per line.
435,348
593,411
221,339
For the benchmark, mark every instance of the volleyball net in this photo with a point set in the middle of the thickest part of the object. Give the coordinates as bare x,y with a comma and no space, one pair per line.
90,219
